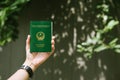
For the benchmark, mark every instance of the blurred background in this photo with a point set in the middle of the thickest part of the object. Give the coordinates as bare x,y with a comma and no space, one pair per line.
87,38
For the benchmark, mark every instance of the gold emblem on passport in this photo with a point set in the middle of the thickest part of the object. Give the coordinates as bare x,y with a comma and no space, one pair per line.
40,36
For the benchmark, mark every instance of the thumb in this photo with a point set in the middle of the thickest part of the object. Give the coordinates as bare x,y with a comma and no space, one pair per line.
28,42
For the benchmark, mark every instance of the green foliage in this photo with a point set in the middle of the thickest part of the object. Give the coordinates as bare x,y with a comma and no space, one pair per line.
9,10
98,43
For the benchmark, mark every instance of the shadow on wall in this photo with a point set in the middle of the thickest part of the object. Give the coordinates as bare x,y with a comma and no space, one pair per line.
73,20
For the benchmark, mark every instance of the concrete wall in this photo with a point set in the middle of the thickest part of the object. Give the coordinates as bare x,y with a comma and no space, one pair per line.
71,25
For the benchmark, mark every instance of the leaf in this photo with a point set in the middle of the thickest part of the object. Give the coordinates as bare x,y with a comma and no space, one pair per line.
80,48
9,39
85,44
100,48
7,18
110,25
88,55
113,42
117,50
117,46
3,16
2,42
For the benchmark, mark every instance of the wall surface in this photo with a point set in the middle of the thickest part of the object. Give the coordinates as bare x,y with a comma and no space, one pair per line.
71,25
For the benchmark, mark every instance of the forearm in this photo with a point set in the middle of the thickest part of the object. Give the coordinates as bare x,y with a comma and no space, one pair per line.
32,62
22,74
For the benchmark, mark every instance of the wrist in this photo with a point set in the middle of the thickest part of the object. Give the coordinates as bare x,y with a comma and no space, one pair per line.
28,70
31,65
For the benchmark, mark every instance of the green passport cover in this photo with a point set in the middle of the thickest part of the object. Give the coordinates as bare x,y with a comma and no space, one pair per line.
41,34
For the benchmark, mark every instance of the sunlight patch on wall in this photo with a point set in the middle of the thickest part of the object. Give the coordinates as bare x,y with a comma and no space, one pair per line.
70,51
0,77
1,49
92,33
46,71
57,38
83,27
81,63
74,38
62,51
62,6
99,63
65,17
105,67
60,78
64,34
65,61
81,8
72,9
57,71
68,1
82,77
102,76
53,16
79,19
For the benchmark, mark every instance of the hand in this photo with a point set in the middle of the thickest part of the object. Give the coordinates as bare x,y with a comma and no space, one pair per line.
35,59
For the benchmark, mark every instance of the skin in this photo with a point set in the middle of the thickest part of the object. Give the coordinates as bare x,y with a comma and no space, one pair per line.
33,60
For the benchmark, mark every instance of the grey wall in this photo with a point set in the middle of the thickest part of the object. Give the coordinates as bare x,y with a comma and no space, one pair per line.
66,63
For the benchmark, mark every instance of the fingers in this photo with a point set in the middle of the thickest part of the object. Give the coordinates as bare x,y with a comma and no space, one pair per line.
53,44
28,42
53,37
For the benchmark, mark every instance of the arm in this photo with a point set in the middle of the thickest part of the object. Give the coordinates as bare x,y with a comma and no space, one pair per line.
33,60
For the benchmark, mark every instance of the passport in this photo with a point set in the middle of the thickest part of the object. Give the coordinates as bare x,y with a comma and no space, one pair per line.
40,36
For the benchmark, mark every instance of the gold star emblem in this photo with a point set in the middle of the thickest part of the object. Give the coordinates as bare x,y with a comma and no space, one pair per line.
40,36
